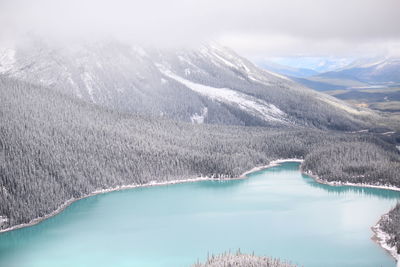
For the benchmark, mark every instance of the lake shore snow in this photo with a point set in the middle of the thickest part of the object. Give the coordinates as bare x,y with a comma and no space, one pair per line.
380,237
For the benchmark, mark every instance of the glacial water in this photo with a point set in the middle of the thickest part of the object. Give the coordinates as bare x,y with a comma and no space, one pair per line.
277,212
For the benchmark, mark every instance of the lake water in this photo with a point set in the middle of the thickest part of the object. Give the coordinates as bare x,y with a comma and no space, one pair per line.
277,212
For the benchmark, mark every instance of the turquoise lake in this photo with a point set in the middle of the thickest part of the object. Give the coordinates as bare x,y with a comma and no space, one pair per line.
277,212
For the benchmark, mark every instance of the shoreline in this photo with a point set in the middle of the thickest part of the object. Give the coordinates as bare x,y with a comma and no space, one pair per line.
339,183
379,237
149,184
102,191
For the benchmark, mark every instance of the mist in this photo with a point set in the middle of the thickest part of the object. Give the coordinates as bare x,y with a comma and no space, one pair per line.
254,28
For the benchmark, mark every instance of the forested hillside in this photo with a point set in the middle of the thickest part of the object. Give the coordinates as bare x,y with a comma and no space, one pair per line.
54,148
390,224
356,162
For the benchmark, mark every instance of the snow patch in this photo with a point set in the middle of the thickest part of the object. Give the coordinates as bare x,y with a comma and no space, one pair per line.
252,105
273,163
4,190
3,220
89,83
199,119
77,92
7,59
226,62
237,63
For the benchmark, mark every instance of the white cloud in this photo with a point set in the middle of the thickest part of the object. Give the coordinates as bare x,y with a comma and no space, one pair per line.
257,27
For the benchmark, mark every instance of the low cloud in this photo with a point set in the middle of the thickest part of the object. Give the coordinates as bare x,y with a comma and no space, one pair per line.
255,27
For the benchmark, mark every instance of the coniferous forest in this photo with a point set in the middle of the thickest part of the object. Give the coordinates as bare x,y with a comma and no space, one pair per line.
390,224
55,148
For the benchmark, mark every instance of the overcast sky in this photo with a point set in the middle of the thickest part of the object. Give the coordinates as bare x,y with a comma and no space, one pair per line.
255,28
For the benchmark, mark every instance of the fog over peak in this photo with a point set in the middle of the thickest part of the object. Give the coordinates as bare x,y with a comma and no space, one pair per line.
253,27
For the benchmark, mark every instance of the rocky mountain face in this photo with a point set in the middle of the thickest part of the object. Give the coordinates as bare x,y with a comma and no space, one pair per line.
206,84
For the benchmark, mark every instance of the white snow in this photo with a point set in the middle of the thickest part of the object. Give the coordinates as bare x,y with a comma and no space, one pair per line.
3,219
257,107
388,133
383,238
88,80
7,59
226,62
273,163
4,190
199,118
71,81
237,63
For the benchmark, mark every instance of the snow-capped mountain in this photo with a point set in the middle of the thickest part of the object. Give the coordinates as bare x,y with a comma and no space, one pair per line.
206,84
303,66
374,71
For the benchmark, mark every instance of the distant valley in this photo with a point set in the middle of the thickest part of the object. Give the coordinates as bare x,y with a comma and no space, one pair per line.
373,83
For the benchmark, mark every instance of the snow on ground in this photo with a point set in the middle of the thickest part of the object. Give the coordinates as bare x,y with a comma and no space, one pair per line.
7,59
226,62
383,238
88,80
231,61
198,119
4,191
3,219
252,105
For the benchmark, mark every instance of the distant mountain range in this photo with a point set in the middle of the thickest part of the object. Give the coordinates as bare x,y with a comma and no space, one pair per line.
288,70
384,71
306,64
360,73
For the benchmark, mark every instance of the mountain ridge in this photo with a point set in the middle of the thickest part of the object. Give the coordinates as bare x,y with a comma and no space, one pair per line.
208,84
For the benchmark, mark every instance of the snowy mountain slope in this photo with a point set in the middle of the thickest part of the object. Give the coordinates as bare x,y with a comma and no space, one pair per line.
250,104
207,84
